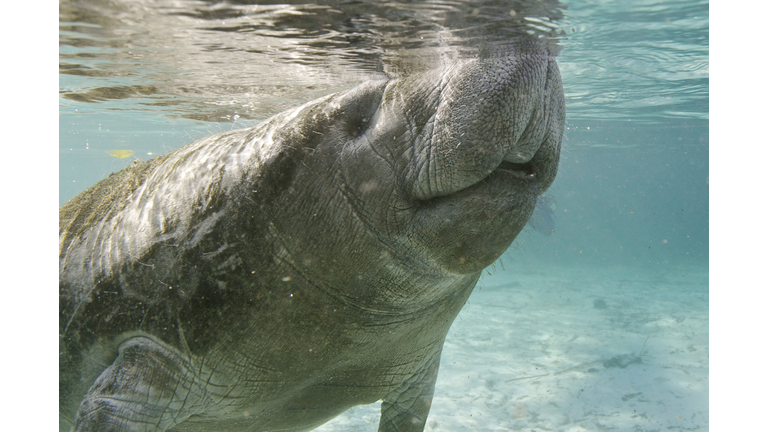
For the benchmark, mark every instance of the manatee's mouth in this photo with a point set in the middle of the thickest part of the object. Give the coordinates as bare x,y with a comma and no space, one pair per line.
525,173
527,169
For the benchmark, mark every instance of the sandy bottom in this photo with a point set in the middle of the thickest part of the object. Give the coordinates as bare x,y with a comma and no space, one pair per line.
572,350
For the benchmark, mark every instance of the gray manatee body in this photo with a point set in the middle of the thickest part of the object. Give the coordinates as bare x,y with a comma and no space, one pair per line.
270,278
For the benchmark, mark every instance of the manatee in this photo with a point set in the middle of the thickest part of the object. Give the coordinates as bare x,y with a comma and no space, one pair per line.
268,279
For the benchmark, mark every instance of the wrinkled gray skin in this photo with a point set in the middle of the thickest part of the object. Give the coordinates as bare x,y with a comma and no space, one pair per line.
270,278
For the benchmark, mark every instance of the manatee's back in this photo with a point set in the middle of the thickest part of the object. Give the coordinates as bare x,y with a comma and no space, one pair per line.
101,201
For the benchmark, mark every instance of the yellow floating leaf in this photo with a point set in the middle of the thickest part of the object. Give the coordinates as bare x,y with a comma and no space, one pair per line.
120,154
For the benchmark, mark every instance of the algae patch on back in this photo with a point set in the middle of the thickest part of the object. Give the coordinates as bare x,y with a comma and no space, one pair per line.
102,201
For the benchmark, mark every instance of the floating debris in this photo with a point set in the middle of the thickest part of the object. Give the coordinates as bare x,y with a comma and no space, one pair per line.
120,154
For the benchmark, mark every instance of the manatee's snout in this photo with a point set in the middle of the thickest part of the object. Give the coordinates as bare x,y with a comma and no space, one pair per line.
505,112
489,145
467,149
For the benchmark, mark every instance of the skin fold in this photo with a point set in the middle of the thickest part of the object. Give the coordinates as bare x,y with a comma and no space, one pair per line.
270,278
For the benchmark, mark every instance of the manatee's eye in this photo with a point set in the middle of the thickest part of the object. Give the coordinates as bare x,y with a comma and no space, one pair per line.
356,109
357,124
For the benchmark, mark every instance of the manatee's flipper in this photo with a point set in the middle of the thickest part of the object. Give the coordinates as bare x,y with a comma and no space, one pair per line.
147,388
406,409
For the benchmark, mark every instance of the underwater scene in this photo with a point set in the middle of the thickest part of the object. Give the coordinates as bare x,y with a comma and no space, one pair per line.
597,316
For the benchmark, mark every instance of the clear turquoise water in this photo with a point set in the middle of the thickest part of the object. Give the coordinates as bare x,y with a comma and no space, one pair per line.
633,188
